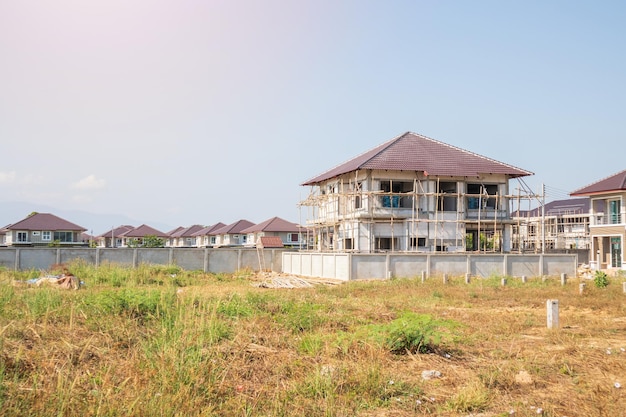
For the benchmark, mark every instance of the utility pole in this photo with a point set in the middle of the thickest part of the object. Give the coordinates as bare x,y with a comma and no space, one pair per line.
543,218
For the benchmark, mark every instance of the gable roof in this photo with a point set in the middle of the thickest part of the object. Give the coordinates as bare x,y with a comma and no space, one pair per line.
233,228
143,231
186,231
45,221
275,224
209,229
567,207
615,182
176,230
118,231
413,152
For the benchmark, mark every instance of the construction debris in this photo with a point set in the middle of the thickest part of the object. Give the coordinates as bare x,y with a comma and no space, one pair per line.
275,280
65,280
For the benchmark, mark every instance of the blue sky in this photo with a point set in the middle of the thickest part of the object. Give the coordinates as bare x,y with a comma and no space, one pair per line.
184,112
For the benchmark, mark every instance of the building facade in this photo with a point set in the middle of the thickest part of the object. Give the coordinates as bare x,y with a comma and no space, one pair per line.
413,193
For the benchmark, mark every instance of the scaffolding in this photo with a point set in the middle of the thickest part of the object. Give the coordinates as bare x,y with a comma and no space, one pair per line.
436,210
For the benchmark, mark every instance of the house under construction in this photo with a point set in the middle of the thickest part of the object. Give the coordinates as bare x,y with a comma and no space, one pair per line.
415,193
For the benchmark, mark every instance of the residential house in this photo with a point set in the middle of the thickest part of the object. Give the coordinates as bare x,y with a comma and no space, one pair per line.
43,229
608,220
137,235
112,238
231,235
559,225
184,237
412,193
204,236
290,233
170,241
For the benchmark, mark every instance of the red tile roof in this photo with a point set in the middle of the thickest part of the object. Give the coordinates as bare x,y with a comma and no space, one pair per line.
186,231
118,231
143,231
275,224
45,221
413,152
570,206
270,242
233,228
616,182
209,229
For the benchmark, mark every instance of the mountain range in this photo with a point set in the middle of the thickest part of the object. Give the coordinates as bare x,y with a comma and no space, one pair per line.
95,223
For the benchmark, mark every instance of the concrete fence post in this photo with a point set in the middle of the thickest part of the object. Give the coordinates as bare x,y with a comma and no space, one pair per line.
563,278
524,279
624,287
423,276
581,288
503,282
552,314
467,278
445,278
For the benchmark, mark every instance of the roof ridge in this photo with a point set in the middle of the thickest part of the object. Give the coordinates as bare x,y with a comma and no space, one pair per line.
470,152
382,147
603,179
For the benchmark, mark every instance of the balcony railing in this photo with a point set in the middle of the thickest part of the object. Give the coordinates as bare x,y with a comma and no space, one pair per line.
607,219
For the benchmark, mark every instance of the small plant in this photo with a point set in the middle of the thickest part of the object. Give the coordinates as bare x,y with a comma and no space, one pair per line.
417,333
601,279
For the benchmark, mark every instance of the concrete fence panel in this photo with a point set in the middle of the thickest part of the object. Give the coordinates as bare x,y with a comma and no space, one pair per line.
486,265
523,265
366,266
403,265
448,264
408,266
223,260
124,257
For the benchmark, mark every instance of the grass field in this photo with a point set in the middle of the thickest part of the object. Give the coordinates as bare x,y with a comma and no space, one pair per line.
160,341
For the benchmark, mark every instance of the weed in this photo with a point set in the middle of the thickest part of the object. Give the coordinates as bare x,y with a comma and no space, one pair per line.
600,279
234,306
469,398
417,333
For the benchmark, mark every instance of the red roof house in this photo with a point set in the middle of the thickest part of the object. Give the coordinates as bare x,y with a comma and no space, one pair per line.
42,229
412,193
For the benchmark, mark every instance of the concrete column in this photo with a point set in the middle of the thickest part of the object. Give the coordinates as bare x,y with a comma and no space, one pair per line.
563,279
552,314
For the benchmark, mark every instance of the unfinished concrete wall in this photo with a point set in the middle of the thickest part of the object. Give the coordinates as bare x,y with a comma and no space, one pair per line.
348,266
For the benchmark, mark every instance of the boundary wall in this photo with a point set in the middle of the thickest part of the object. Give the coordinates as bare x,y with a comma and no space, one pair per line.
224,260
354,266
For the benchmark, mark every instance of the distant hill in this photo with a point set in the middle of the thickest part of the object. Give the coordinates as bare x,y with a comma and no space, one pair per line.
11,212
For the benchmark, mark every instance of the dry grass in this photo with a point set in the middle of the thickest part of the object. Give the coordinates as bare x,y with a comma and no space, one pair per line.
159,343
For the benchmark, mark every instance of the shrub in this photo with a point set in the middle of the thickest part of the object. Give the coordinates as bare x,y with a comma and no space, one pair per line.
601,279
417,333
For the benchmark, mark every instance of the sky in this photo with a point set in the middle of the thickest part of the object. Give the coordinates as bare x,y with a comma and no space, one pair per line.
184,112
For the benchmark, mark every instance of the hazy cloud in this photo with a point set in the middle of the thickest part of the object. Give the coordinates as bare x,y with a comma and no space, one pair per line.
7,177
90,182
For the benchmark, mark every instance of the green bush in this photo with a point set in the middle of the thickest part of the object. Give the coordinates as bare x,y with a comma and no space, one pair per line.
417,333
601,279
